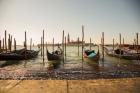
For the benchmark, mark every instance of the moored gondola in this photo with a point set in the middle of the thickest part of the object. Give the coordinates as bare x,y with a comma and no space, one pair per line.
91,55
54,57
21,54
120,53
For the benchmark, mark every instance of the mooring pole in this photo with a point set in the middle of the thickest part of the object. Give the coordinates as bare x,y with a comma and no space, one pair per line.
113,45
137,42
25,44
43,46
9,42
5,41
103,45
31,44
65,47
0,45
53,45
46,49
3,44
78,46
123,42
82,46
90,44
120,40
120,43
14,44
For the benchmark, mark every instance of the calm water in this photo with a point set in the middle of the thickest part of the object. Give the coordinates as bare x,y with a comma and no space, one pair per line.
73,62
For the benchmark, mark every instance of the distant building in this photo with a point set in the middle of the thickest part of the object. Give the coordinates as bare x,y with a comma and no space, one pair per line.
73,41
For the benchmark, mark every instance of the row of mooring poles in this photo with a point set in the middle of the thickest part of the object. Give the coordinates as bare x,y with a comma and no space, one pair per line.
7,46
4,45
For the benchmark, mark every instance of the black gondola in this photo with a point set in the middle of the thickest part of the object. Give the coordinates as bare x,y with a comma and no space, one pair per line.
54,56
119,53
21,54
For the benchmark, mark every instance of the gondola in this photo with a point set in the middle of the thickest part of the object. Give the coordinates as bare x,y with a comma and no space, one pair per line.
21,54
119,53
91,55
54,56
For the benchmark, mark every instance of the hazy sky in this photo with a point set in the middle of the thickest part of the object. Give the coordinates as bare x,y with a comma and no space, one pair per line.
54,16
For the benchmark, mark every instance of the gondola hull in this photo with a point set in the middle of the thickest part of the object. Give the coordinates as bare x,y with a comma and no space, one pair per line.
95,58
53,56
19,55
128,56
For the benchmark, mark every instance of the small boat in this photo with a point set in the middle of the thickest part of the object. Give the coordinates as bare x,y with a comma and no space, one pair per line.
119,53
91,55
21,54
54,56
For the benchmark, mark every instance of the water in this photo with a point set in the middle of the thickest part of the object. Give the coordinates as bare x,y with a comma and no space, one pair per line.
73,62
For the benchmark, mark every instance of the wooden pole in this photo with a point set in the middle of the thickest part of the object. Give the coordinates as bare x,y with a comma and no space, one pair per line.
31,44
78,46
90,44
65,47
25,44
123,42
53,45
0,45
101,42
137,42
9,42
120,39
46,49
82,46
3,44
14,44
134,44
113,44
103,45
43,46
5,41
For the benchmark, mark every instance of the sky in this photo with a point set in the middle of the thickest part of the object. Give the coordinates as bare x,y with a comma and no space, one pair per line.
109,16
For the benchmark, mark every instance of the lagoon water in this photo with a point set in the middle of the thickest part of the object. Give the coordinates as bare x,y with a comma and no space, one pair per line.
72,62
